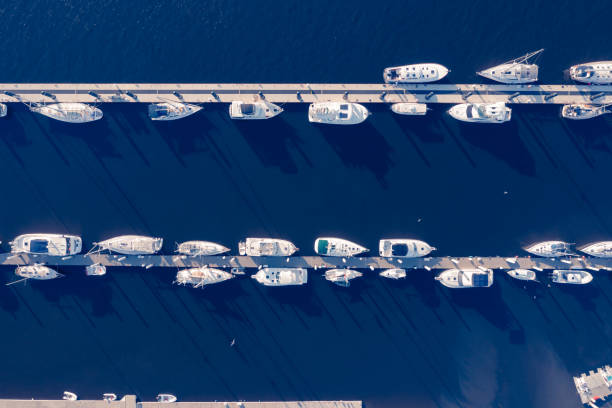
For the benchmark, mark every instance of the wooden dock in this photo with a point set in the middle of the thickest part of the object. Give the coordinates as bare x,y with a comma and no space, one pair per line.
307,93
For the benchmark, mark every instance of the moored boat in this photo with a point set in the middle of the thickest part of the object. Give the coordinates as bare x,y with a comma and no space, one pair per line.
409,108
165,398
254,110
393,273
550,249
466,278
69,396
131,244
583,111
516,71
69,112
109,397
522,274
415,73
47,244
95,270
37,272
571,276
337,247
281,276
172,110
496,112
201,276
602,249
599,72
404,248
342,277
200,248
337,113
3,110
266,247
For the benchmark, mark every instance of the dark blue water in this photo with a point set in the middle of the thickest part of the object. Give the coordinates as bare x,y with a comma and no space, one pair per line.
392,344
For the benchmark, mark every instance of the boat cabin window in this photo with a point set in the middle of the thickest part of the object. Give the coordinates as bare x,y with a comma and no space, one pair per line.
399,249
468,111
247,108
344,107
480,280
342,115
39,246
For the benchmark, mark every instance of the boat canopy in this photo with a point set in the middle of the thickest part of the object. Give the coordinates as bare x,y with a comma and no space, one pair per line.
322,246
399,249
480,280
247,108
39,246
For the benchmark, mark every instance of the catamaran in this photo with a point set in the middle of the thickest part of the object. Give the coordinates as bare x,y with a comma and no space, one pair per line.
337,113
496,112
202,276
266,247
337,247
131,245
172,110
599,73
254,110
415,73
583,111
72,112
550,249
409,108
47,244
404,248
201,248
342,277
601,249
466,278
571,276
281,276
516,71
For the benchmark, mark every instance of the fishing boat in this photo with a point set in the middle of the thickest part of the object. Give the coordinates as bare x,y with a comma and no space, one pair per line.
550,249
201,276
37,272
602,249
165,398
342,277
95,270
47,244
253,110
3,110
415,73
496,112
599,72
404,248
571,276
109,397
522,274
516,71
131,245
410,109
172,110
393,273
466,278
200,248
337,113
281,276
266,247
69,112
337,247
583,111
69,396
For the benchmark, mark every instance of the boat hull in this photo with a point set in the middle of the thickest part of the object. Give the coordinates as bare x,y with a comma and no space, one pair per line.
132,245
281,276
337,113
409,109
415,73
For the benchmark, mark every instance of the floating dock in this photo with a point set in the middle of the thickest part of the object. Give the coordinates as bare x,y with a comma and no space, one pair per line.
594,385
312,262
129,401
308,93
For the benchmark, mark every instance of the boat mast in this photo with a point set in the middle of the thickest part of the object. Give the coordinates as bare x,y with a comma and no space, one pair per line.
525,57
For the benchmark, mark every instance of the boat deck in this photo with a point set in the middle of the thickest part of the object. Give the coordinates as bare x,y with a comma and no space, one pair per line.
596,384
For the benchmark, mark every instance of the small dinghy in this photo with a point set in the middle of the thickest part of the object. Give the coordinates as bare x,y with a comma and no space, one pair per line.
411,109
165,398
522,274
69,396
109,397
95,270
394,273
342,277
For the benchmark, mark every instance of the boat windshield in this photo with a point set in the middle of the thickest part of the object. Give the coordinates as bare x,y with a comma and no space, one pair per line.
399,249
39,246
480,280
247,108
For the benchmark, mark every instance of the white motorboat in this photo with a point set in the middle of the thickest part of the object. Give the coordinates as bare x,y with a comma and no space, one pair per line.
109,397
281,276
131,245
516,71
408,108
165,398
583,111
172,110
3,110
47,244
37,272
601,249
200,248
466,278
337,113
69,396
337,247
496,112
202,276
599,72
571,276
522,274
95,270
254,110
342,277
394,273
404,248
415,73
69,112
550,249
266,247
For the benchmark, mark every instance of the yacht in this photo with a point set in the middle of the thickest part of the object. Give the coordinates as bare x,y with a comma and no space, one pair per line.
95,270
342,277
69,396
466,278
415,73
254,110
550,249
394,273
606,375
109,397
516,71
337,247
408,108
69,112
165,398
572,276
266,247
37,271
337,113
202,276
496,112
200,248
131,245
47,244
522,274
599,72
3,110
601,249
172,110
583,111
281,276
404,248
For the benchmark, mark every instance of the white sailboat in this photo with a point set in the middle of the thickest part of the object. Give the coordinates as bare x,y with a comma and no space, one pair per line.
583,111
393,273
404,248
522,274
466,278
342,277
409,108
3,110
516,71
337,113
602,249
36,272
337,247
172,110
72,112
201,248
201,276
571,276
281,276
496,112
131,245
415,73
550,249
599,72
47,244
266,247
254,110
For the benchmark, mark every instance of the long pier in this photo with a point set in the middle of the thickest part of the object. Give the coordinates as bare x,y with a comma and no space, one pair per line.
311,262
307,93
